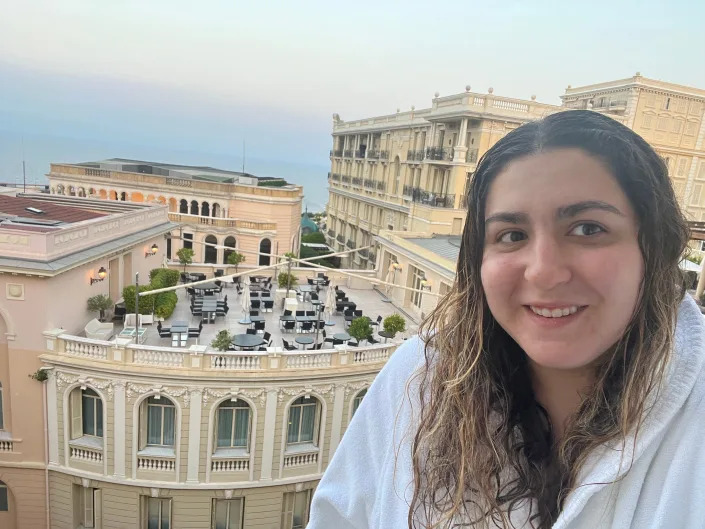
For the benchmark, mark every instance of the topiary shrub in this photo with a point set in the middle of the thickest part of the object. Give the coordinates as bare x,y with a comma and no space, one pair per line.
163,277
394,324
222,340
147,303
286,280
360,328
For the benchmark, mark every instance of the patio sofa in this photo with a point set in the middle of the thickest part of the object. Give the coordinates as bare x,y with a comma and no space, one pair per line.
97,330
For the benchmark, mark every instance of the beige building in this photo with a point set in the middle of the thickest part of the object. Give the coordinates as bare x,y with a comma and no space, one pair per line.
53,257
667,115
408,171
215,207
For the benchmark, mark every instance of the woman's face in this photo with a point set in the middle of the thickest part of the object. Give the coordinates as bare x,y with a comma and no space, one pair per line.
561,267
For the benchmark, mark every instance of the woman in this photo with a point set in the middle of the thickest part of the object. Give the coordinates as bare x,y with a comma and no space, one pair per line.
560,382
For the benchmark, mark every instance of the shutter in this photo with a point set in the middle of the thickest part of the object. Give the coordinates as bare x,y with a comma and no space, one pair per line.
87,508
97,509
143,425
76,413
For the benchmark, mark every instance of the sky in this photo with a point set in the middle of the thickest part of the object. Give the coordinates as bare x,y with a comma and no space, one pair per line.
187,82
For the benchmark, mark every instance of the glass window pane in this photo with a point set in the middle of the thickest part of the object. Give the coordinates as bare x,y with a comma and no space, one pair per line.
99,417
3,499
88,416
153,513
225,426
307,421
169,412
294,417
242,423
166,514
300,510
235,514
154,425
221,514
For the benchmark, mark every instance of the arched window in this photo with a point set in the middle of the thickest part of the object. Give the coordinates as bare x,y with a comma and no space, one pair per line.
159,419
4,498
216,210
230,242
205,209
81,192
183,206
86,408
304,419
358,400
194,207
265,247
233,424
123,196
60,189
210,251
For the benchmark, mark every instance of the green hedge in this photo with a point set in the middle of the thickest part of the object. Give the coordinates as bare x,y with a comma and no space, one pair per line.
162,304
146,302
164,277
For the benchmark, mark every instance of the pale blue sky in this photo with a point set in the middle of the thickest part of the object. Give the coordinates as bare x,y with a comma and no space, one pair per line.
188,80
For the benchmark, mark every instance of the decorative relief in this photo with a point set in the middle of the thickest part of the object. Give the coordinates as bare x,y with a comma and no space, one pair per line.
106,227
132,219
20,240
14,291
215,393
305,391
68,237
168,391
63,380
356,386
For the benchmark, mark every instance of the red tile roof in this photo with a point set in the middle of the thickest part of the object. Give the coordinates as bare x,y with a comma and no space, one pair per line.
69,214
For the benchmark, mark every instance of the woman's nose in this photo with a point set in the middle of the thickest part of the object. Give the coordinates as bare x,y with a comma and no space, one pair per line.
547,263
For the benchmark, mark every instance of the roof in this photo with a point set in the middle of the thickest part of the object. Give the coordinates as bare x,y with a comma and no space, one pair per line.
445,246
17,207
306,222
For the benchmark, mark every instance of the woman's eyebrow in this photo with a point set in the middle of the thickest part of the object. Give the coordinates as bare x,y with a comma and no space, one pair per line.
564,212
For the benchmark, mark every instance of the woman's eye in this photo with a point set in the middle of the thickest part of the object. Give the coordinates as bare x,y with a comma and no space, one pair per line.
511,236
586,229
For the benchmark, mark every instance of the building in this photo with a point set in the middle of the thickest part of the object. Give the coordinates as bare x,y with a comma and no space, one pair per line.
408,171
53,257
214,207
669,116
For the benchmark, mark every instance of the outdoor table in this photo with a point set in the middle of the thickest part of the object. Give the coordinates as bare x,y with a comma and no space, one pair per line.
179,333
304,340
129,332
306,290
385,335
255,319
342,336
209,307
247,341
318,280
206,287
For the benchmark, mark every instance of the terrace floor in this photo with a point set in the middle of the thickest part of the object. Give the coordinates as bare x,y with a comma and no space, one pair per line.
368,300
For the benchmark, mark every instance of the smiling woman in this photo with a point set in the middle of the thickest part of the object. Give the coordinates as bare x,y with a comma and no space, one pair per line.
560,383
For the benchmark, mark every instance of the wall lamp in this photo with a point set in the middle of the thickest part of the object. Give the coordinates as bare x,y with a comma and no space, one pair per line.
152,251
102,272
396,266
425,284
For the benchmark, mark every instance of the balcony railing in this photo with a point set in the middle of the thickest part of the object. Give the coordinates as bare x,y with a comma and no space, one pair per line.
348,153
384,155
373,155
360,153
334,176
436,200
299,460
350,244
222,222
373,257
331,233
345,179
437,153
414,156
364,253
156,464
369,183
357,181
340,239
87,455
380,186
336,152
471,156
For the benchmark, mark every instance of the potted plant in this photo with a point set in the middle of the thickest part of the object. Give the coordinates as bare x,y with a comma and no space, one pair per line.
394,324
185,256
222,340
360,328
287,280
100,303
235,258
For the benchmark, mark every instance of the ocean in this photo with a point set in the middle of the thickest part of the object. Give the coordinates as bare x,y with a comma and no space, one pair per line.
41,150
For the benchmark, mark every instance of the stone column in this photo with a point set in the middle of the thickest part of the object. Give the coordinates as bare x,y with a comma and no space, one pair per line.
119,427
52,420
194,435
270,417
337,424
461,148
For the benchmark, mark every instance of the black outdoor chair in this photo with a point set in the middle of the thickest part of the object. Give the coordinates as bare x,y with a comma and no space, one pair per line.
317,346
267,338
306,326
310,313
301,313
164,332
259,326
254,312
223,302
377,321
222,311
251,331
219,272
287,312
184,277
339,307
371,340
194,332
289,326
268,306
288,347
357,313
119,312
255,304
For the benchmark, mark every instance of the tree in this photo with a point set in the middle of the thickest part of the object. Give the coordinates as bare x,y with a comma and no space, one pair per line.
100,304
360,328
286,280
314,238
394,324
235,258
222,340
185,256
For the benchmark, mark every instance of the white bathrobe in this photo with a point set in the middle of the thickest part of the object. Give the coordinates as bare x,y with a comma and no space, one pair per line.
664,489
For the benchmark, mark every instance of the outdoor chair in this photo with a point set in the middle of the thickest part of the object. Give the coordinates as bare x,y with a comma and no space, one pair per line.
255,304
306,326
195,332
259,326
339,307
219,272
321,325
184,278
301,313
98,330
251,331
224,301
288,347
377,321
337,342
310,313
268,306
357,313
222,311
317,346
262,349
254,294
310,281
371,340
254,312
267,338
287,312
289,325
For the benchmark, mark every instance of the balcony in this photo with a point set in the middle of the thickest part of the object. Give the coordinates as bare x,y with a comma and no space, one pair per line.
384,155
373,155
334,176
347,153
439,154
360,153
345,179
222,222
372,257
364,253
357,181
471,156
336,152
436,200
350,244
369,183
380,186
414,156
331,233
340,239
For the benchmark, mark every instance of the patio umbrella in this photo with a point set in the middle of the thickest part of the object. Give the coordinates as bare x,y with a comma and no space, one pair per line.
245,304
330,303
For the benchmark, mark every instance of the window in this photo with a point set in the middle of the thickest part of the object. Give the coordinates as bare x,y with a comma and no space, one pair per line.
160,415
233,424
647,122
697,194
2,417
210,250
702,243
663,123
4,502
683,105
303,421
86,507
667,103
157,513
188,240
690,128
677,126
227,514
265,248
92,413
701,171
295,509
230,242
358,400
416,277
